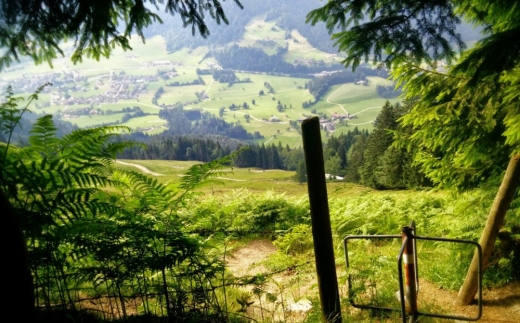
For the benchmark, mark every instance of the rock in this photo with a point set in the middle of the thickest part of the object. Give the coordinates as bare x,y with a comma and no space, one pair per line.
303,305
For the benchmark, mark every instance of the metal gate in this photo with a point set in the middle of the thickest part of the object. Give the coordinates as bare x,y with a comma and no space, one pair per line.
409,286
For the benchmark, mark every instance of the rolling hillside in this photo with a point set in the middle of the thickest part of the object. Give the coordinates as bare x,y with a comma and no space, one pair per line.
279,56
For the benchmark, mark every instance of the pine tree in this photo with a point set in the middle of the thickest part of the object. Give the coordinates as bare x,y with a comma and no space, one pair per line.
386,166
466,121
301,172
356,158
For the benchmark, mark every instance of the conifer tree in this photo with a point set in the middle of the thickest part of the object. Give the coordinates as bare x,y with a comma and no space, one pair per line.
301,172
356,158
466,120
377,143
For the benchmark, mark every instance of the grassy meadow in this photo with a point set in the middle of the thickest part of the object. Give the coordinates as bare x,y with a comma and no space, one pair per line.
242,197
252,179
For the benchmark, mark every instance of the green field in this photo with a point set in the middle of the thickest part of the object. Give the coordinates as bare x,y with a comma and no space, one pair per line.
144,61
299,47
252,179
264,35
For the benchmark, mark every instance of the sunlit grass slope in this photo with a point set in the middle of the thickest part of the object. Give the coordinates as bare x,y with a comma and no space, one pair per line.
252,179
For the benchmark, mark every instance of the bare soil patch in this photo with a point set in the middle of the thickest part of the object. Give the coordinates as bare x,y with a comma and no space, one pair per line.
500,304
246,261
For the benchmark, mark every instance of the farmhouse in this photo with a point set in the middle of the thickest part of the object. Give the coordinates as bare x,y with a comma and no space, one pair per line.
274,119
337,116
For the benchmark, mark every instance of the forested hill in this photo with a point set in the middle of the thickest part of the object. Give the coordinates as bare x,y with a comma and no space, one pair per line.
255,59
288,15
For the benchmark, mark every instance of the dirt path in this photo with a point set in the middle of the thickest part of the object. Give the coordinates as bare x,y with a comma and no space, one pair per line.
141,168
340,105
501,304
246,260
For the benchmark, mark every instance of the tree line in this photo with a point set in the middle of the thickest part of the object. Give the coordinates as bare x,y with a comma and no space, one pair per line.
187,122
168,147
196,81
371,159
209,148
256,60
388,91
319,85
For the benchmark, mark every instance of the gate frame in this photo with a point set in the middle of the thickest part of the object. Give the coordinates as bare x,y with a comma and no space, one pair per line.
408,233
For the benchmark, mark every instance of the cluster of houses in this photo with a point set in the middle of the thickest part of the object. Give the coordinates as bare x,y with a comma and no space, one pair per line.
304,61
147,129
119,90
272,118
337,116
28,83
75,113
66,81
161,63
212,65
329,124
326,73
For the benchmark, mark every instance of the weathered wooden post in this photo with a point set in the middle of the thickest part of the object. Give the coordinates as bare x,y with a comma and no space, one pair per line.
321,230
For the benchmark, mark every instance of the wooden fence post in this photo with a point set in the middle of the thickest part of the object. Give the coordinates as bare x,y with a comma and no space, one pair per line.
321,229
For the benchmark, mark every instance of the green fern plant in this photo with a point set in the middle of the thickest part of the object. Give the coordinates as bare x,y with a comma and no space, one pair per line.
53,182
11,114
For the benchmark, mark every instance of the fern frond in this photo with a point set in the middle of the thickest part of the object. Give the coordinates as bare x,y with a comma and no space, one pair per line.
43,137
93,149
163,195
202,174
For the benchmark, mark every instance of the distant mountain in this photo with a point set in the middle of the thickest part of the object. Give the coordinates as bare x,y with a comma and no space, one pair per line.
288,15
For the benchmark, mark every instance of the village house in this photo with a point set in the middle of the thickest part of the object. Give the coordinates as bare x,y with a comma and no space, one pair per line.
337,116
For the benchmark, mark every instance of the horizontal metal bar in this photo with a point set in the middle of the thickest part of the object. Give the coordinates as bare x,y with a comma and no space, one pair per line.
372,307
450,317
476,244
371,236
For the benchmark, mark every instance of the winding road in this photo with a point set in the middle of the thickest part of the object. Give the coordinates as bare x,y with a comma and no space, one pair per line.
328,99
141,168
352,114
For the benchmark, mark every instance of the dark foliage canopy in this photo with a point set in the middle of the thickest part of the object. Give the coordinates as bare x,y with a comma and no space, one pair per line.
424,31
36,28
467,117
390,30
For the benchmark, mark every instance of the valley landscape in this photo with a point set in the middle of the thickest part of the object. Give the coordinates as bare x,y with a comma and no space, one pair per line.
167,182
97,93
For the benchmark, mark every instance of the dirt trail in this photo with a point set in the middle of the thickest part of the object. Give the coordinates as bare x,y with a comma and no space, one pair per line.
501,304
246,260
141,168
340,105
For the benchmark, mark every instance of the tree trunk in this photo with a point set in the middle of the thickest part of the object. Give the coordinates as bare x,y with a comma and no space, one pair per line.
21,292
503,199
